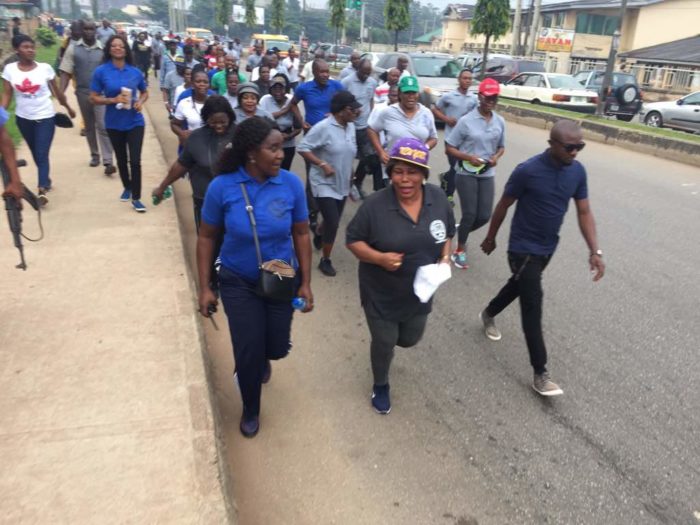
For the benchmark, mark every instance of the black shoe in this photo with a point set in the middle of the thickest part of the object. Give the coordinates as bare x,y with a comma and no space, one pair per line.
249,425
110,169
318,241
94,162
83,132
267,374
326,267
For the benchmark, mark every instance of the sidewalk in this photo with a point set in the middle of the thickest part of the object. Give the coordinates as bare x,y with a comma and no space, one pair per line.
105,414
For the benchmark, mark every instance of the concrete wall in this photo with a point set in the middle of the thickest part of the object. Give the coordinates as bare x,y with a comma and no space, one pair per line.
667,21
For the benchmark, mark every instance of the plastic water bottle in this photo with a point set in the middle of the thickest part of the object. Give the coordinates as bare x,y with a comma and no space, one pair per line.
166,195
298,303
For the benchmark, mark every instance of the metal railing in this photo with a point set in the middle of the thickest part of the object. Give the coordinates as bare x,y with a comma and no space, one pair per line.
668,79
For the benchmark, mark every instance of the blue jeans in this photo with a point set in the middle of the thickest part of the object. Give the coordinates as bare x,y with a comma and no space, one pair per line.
38,135
260,330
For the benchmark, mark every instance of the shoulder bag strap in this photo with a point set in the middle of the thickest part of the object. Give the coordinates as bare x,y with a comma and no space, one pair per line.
253,225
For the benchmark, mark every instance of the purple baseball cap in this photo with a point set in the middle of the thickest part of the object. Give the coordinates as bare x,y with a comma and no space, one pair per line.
412,151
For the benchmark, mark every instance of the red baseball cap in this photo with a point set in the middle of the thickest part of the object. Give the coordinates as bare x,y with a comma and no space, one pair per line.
489,87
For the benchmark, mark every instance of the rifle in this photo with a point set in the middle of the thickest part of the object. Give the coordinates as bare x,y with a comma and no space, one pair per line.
14,212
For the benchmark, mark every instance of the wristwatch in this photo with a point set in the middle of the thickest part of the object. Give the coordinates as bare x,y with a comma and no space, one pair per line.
598,252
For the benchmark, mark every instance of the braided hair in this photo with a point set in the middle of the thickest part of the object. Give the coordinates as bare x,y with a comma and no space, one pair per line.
248,136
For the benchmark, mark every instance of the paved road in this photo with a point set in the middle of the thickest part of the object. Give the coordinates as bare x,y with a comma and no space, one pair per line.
468,441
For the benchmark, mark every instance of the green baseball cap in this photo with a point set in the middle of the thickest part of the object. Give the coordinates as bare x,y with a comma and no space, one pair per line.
408,85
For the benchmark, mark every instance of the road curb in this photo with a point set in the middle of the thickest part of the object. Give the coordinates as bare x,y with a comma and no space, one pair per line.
663,147
209,448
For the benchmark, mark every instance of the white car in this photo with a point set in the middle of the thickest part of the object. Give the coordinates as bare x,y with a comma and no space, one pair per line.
372,56
551,89
683,113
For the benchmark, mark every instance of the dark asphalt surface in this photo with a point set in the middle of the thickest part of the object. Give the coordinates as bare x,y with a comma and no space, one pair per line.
467,440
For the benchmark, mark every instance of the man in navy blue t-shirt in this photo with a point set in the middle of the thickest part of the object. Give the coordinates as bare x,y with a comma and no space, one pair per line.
542,186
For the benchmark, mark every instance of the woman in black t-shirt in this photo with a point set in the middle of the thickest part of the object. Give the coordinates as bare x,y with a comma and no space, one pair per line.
396,231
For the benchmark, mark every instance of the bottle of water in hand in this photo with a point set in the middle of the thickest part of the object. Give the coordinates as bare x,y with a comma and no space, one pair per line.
299,303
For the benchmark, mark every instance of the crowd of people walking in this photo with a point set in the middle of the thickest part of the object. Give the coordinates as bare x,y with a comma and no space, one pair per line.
256,221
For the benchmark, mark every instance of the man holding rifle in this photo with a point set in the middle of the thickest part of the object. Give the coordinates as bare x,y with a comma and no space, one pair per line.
13,187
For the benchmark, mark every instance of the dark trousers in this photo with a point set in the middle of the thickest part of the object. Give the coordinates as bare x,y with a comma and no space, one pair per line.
288,158
476,200
260,330
449,184
94,119
127,148
331,210
526,284
197,205
157,59
38,134
369,161
388,334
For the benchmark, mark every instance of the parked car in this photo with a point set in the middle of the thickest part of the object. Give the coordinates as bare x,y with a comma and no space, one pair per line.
436,72
373,57
471,60
502,68
683,113
624,97
551,89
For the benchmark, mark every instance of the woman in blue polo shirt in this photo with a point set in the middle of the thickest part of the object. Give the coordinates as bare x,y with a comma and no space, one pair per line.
123,119
260,328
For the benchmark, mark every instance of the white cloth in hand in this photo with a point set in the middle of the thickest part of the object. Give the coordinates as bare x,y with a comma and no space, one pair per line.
429,278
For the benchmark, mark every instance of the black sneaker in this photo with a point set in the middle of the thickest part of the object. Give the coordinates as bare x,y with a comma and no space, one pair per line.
94,162
326,267
249,425
380,399
110,169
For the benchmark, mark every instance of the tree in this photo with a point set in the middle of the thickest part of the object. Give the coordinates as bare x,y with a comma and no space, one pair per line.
491,19
95,9
157,10
337,18
277,9
397,18
223,10
251,20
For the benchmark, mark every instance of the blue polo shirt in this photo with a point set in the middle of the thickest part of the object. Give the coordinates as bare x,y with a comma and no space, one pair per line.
543,190
278,204
317,99
108,80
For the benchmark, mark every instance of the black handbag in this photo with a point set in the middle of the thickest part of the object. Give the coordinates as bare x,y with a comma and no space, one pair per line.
277,278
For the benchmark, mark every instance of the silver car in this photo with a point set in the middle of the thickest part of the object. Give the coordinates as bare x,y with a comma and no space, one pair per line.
683,113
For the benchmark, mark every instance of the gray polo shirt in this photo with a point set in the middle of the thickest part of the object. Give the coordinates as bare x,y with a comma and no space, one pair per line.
456,104
81,60
346,72
336,145
241,116
286,121
103,33
172,80
395,124
364,93
474,135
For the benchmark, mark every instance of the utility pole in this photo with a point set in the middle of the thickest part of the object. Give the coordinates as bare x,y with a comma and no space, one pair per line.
515,46
533,28
614,44
362,23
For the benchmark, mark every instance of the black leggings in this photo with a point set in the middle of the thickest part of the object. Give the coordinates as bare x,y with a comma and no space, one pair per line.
331,210
133,141
288,158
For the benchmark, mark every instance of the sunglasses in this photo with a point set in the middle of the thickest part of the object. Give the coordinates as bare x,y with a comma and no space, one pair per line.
570,148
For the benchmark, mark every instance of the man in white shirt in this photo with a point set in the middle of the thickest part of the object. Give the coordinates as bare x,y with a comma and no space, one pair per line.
290,66
382,92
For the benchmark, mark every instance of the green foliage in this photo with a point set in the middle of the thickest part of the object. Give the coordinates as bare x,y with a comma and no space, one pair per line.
277,9
95,9
46,36
337,12
223,11
157,10
250,19
397,18
491,19
202,14
117,15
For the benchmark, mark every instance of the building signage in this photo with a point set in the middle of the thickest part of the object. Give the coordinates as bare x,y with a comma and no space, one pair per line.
239,15
555,40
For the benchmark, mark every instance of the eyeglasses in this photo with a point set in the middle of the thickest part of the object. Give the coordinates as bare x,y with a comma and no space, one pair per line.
570,148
